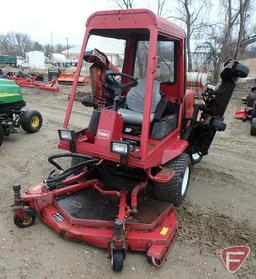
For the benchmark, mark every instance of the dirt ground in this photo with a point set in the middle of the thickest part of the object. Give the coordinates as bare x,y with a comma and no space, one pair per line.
219,210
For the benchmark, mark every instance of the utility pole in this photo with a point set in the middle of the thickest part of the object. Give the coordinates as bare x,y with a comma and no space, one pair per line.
51,43
67,46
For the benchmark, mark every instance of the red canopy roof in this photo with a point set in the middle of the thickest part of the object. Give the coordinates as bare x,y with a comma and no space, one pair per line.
135,18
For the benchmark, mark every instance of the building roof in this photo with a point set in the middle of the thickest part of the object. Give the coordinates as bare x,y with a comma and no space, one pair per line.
77,49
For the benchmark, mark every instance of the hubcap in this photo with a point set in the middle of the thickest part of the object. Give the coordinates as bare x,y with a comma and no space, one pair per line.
35,121
185,181
195,156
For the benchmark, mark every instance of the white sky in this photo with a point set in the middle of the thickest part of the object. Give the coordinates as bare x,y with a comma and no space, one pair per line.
63,18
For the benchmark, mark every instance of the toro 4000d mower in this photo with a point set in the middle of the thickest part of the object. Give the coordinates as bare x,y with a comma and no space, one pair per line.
13,112
132,163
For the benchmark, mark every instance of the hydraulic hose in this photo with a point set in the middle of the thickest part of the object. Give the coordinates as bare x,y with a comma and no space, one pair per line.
63,155
52,181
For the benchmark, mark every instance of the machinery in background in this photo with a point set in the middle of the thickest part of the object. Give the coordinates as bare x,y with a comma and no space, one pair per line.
33,81
13,112
249,112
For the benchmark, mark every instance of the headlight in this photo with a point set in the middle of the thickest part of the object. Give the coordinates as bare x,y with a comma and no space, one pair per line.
66,134
121,147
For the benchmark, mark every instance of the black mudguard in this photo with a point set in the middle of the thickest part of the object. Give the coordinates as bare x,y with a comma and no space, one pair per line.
215,104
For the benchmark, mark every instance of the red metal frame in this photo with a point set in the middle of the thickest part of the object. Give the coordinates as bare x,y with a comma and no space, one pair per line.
243,114
51,86
151,153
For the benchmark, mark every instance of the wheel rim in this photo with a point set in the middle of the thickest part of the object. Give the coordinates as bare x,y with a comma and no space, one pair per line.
27,221
35,121
195,156
185,181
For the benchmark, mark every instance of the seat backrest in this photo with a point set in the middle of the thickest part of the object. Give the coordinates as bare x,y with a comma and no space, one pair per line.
135,97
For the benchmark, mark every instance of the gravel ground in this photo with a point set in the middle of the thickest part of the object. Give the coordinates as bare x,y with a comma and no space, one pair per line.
219,210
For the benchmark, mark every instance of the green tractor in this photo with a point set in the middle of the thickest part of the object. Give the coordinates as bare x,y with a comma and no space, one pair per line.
13,112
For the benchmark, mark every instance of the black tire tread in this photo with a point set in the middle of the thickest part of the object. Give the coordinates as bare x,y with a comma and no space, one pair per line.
254,110
1,135
26,121
118,261
18,222
170,191
251,98
253,127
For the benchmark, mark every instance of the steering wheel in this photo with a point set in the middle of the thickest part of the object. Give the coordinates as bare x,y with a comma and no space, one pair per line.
112,77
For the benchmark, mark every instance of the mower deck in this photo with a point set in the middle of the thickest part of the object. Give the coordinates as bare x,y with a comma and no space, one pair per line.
121,222
81,205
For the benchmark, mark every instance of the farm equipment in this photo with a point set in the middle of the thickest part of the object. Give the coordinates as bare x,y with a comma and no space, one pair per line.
13,113
132,164
33,81
249,112
8,60
68,78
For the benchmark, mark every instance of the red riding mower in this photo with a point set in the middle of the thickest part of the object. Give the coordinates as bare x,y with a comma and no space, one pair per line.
249,112
132,163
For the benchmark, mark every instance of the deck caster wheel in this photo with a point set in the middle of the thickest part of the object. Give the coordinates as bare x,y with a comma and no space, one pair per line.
28,220
155,262
117,261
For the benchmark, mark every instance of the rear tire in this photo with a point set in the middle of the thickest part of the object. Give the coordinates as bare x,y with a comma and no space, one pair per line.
253,127
251,98
254,110
31,121
1,135
174,191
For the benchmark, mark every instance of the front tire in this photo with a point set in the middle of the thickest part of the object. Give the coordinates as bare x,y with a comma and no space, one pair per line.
31,121
117,261
175,190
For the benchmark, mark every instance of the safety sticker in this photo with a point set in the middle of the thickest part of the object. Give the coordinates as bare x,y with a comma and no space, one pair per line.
58,217
164,231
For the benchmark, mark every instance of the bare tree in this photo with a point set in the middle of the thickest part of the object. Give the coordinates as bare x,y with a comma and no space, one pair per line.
48,49
37,46
244,38
161,5
59,48
190,14
15,43
229,37
124,4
